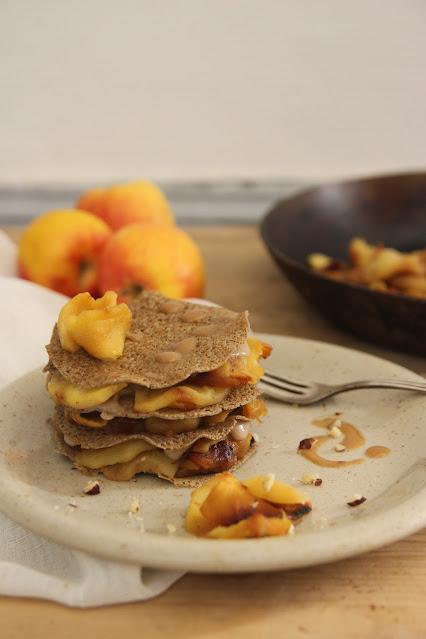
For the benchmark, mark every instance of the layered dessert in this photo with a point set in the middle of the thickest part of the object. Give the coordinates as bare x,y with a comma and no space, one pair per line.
158,386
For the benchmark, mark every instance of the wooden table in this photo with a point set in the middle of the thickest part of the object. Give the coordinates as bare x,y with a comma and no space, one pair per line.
381,594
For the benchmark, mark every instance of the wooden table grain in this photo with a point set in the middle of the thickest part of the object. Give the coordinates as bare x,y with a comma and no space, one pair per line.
380,595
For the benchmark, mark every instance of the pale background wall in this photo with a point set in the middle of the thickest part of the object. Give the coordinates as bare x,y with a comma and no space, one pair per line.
97,90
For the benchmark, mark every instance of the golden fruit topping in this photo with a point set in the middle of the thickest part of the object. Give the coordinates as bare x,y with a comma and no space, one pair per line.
181,397
99,326
225,508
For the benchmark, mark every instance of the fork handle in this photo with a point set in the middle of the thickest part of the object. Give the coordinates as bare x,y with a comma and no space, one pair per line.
381,383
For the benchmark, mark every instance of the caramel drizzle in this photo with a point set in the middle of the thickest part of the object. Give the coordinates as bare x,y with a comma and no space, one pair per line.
377,451
353,439
353,436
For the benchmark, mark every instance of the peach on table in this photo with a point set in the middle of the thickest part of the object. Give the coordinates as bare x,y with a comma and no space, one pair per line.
124,204
60,250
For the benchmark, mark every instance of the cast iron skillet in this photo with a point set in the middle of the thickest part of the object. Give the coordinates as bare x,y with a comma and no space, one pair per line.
389,209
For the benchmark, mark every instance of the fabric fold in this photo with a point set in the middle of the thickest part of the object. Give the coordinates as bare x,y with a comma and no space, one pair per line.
31,566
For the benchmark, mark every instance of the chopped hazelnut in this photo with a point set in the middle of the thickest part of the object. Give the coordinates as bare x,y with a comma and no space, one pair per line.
307,478
269,482
339,448
307,443
335,432
357,501
92,488
134,507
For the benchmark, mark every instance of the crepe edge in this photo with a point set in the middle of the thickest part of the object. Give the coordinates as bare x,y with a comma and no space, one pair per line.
179,482
165,442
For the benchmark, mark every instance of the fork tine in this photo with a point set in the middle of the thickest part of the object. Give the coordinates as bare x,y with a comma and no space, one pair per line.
284,381
281,387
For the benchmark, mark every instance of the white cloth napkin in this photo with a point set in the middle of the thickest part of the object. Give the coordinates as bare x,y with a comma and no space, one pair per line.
31,566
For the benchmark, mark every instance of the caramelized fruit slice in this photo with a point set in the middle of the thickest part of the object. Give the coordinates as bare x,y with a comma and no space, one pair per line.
257,525
279,493
180,397
256,409
224,508
65,393
212,420
228,502
91,420
117,454
239,370
161,426
154,462
220,456
195,522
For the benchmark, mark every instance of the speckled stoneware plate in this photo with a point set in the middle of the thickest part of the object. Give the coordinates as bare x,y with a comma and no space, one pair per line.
37,484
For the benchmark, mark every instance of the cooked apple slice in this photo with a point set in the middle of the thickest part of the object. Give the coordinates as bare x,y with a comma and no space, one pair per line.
228,502
224,509
238,370
275,491
361,253
161,426
212,420
181,397
117,454
257,525
256,409
243,446
154,462
220,457
232,373
91,420
202,445
63,392
268,510
195,522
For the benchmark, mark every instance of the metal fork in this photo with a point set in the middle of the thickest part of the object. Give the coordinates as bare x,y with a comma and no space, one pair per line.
294,391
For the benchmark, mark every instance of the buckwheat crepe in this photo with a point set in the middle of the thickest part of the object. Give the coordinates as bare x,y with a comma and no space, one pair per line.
115,438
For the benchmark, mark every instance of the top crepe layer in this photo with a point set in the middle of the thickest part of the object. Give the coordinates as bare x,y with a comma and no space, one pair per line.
154,330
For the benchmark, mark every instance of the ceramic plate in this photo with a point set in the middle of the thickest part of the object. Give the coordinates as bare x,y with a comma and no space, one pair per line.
37,485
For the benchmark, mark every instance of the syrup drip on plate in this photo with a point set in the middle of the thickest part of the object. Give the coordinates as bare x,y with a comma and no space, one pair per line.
352,439
377,451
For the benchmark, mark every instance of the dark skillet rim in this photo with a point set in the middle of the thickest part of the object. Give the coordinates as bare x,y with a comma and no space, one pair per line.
280,255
